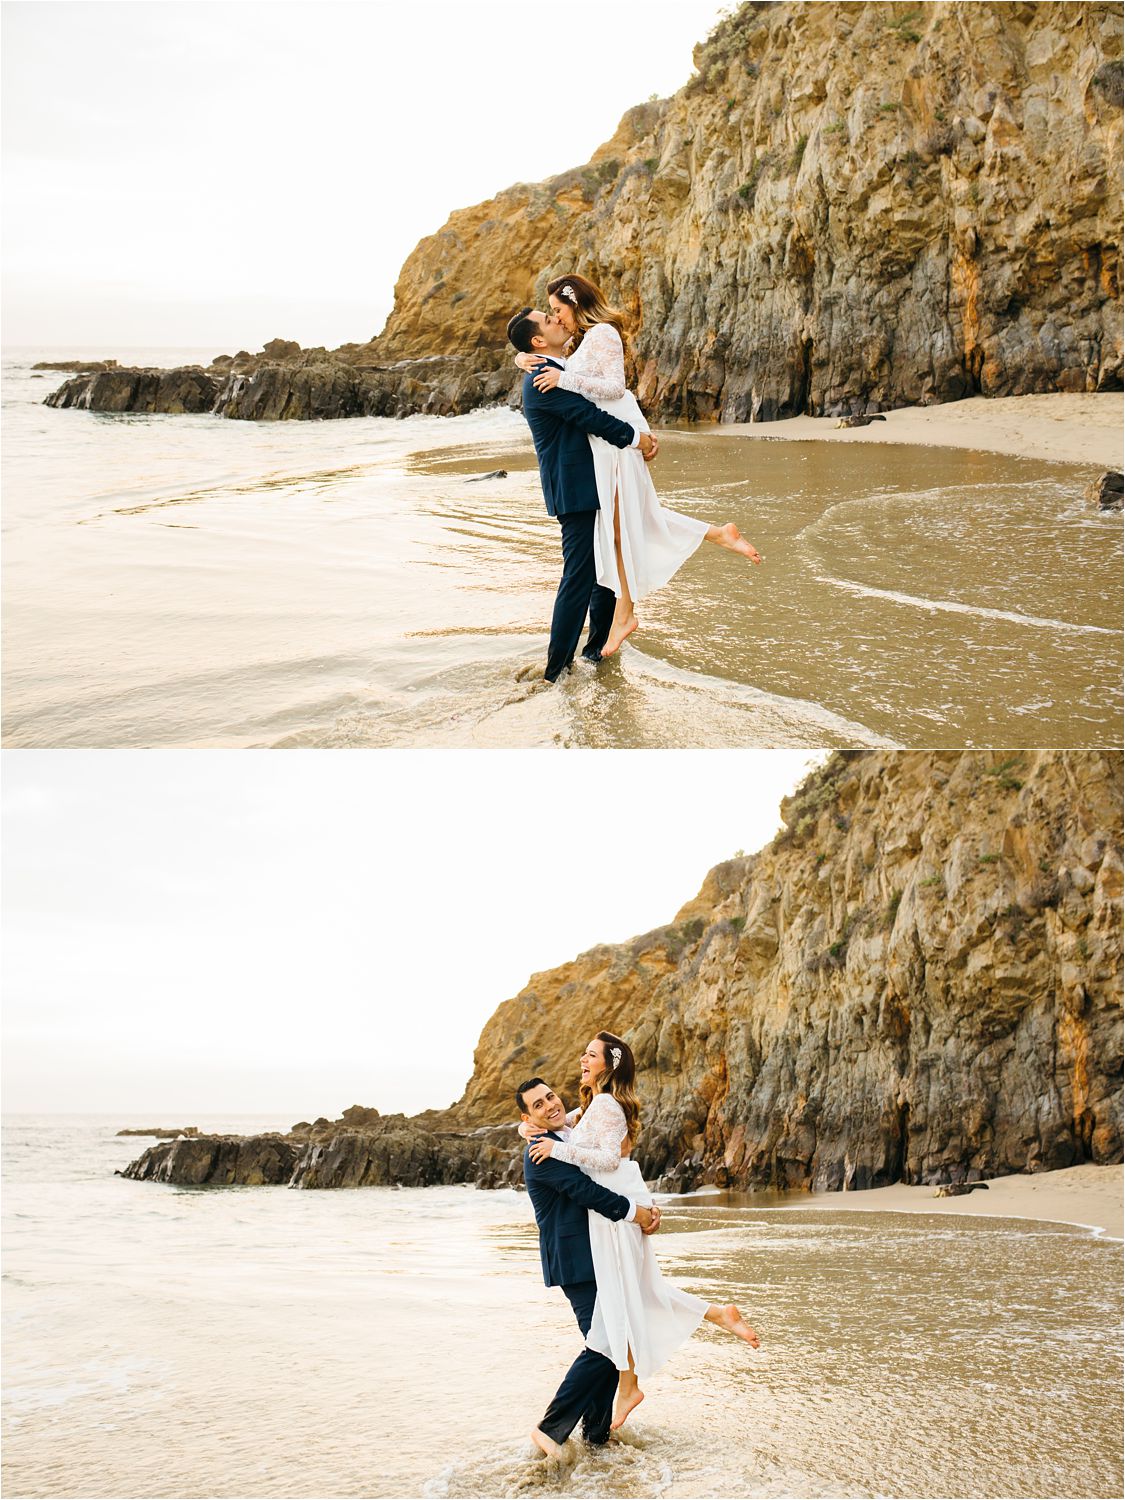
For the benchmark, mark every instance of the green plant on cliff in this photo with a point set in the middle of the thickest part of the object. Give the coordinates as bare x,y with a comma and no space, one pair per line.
1003,773
678,939
748,191
595,178
819,788
912,163
904,26
837,951
730,35
798,155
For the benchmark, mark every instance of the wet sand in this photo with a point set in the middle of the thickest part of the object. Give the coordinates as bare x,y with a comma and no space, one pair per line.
1080,429
1088,1195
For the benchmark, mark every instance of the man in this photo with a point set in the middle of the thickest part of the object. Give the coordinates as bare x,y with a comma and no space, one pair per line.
559,422
561,1196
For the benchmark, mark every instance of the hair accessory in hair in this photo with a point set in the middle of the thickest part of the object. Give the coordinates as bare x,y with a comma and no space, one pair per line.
569,293
614,1052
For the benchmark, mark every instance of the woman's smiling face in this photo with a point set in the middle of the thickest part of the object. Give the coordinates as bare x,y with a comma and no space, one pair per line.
591,1064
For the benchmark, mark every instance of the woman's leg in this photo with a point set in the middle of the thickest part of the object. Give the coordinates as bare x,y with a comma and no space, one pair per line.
732,1320
624,617
629,1395
730,537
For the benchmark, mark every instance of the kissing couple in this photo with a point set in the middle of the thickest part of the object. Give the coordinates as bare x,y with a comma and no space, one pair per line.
593,445
595,1218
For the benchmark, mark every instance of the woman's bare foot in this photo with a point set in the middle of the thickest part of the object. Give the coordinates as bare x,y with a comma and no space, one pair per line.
546,1445
732,1320
619,631
730,537
628,1397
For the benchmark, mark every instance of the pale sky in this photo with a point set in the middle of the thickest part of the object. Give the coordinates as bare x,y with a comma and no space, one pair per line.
206,173
191,932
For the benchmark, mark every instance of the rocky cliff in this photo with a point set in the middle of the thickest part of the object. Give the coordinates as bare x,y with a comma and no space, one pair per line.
919,980
849,207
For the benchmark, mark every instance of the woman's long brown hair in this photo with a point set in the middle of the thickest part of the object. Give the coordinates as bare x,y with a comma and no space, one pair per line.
588,306
618,1080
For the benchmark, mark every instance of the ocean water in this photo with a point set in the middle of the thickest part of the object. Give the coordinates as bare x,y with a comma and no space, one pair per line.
163,1341
190,581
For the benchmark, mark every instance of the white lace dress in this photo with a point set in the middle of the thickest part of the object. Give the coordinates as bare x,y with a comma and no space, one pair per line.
654,541
636,1309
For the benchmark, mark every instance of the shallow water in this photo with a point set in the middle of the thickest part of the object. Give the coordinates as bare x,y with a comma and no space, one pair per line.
261,1342
192,581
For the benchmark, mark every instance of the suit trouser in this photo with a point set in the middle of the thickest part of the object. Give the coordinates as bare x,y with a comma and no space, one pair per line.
590,1384
579,593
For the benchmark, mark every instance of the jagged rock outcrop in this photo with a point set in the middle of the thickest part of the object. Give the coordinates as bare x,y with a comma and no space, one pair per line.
227,1160
849,207
163,1133
361,1149
918,980
296,388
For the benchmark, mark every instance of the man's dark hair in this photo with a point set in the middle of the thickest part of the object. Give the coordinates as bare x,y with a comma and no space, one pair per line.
521,331
531,1082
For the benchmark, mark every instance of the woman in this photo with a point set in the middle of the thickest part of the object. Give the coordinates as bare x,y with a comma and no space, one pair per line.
638,544
639,1318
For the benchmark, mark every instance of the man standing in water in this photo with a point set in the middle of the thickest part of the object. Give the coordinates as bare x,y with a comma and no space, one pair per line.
559,422
561,1196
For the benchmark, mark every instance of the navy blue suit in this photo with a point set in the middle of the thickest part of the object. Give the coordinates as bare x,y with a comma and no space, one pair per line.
559,421
562,1196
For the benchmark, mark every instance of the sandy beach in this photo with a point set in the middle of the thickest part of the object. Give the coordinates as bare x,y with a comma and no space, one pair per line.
1078,429
1087,1194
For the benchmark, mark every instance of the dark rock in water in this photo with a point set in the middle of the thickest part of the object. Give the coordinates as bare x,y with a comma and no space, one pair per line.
362,1149
252,1161
861,421
190,389
958,1189
164,1134
76,366
399,1150
1106,491
495,474
314,386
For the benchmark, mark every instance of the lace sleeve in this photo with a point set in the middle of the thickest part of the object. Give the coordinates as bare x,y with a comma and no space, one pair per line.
600,375
571,1116
597,1146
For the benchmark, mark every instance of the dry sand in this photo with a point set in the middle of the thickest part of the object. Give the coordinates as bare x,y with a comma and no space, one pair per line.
1074,1195
1083,429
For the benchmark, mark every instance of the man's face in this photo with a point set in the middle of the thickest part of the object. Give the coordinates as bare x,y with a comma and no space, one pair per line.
543,1108
552,335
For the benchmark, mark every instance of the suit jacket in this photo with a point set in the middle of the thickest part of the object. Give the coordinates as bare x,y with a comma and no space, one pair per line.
562,1196
559,421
